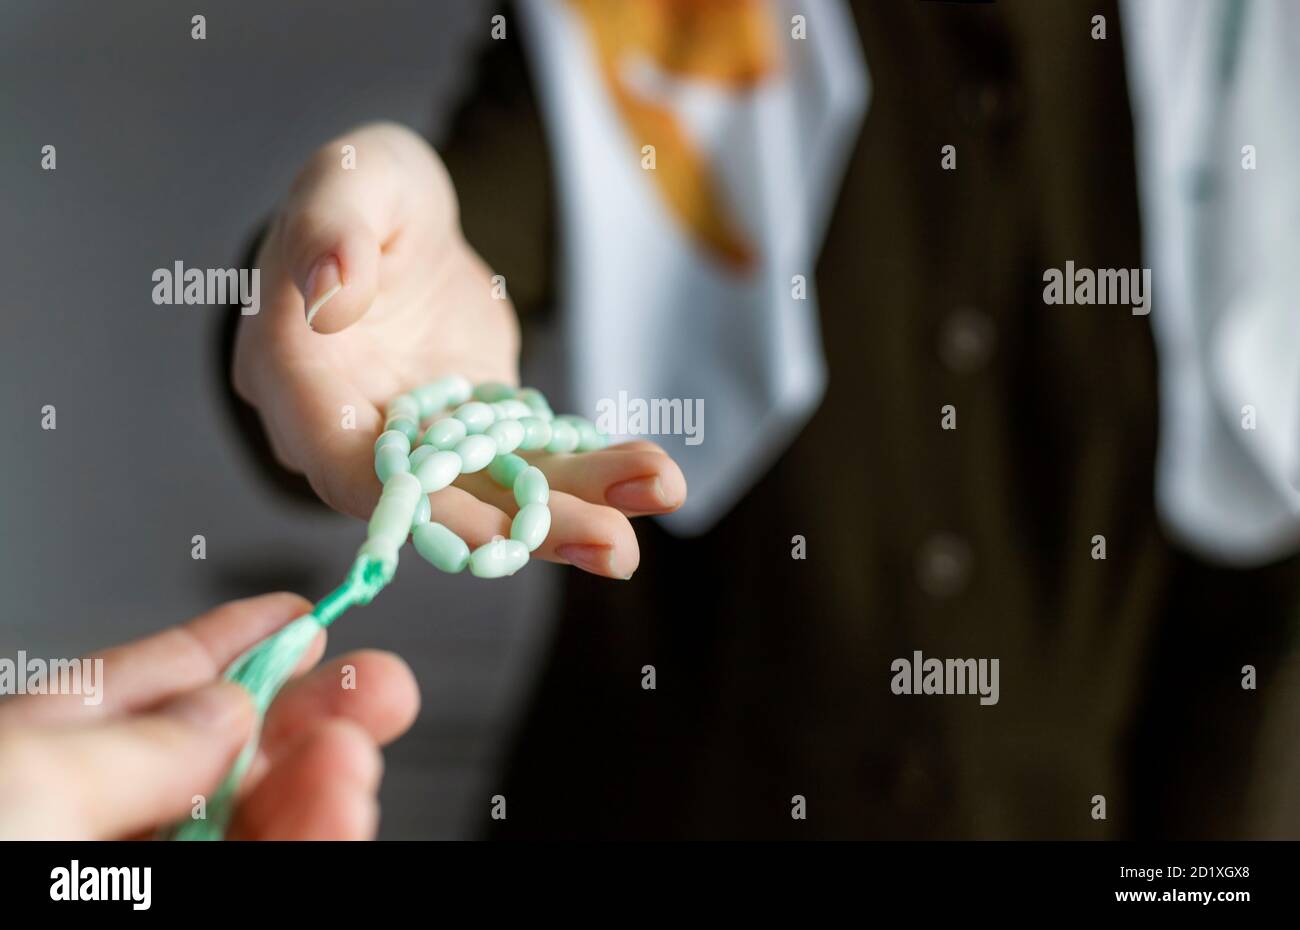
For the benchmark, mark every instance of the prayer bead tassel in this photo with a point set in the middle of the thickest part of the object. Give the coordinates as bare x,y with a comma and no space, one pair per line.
471,429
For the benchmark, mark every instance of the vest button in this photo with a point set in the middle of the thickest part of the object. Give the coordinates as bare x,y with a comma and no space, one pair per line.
966,340
943,565
989,105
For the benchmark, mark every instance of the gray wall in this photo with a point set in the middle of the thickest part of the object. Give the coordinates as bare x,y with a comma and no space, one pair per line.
173,149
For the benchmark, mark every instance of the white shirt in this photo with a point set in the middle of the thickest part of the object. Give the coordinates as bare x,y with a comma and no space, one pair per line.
1225,263
648,316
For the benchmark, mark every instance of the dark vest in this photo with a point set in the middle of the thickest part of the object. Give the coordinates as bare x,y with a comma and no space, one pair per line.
773,673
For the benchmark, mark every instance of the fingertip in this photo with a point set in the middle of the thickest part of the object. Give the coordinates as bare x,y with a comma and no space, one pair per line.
335,261
341,287
372,689
324,281
396,694
660,488
344,748
672,485
615,562
324,788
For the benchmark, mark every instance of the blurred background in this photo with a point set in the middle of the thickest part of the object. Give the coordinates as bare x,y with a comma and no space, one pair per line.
175,150
170,149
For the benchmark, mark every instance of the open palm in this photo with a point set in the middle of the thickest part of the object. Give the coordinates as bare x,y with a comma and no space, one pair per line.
372,250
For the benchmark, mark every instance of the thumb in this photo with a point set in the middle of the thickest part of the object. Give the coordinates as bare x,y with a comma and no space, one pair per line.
338,213
341,211
137,772
332,252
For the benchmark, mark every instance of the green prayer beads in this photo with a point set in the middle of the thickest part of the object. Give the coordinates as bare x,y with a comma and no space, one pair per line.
472,429
440,547
468,429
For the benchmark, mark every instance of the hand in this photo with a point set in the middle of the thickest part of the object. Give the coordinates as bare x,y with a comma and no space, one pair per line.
415,304
167,729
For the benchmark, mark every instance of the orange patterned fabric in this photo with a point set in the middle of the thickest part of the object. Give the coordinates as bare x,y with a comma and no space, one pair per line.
726,42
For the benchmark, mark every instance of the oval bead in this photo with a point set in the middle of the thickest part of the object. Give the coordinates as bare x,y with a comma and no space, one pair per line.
440,547
391,521
536,401
455,390
430,399
438,470
403,405
498,558
396,438
537,433
504,469
530,525
419,455
564,438
531,487
488,423
404,425
423,511
390,460
476,415
507,434
588,437
492,391
475,452
445,433
511,409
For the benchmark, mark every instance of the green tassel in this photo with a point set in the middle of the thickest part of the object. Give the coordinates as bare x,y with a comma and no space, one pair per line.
262,672
264,669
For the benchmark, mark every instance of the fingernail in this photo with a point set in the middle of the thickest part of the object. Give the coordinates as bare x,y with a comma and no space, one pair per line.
219,706
637,494
595,559
323,282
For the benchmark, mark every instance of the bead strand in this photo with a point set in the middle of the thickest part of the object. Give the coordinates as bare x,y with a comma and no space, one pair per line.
469,429
485,427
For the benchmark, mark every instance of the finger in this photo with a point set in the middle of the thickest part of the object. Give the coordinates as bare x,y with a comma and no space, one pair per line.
332,228
473,520
592,537
344,207
375,690
126,775
635,481
144,672
322,788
